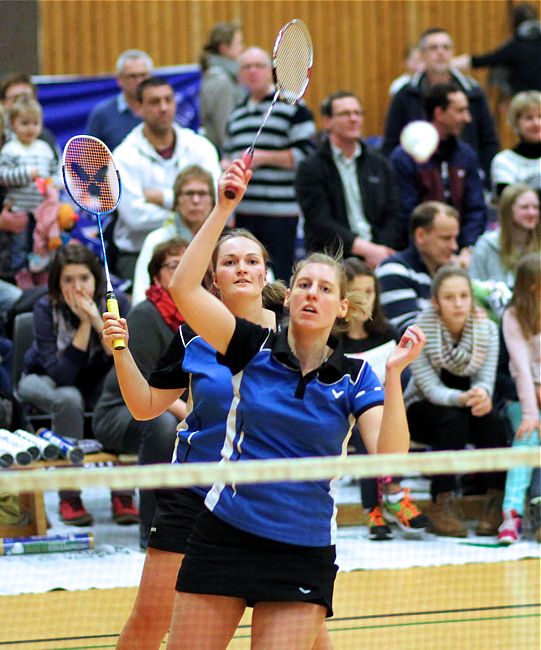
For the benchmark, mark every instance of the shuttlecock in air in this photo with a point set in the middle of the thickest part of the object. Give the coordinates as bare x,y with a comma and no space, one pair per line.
420,139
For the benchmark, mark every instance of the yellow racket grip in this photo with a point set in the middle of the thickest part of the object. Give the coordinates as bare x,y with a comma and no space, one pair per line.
112,306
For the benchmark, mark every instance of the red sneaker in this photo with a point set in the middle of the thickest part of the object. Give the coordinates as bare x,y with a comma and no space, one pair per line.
73,512
124,510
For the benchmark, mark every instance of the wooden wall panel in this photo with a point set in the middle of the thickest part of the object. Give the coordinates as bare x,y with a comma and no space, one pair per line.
358,43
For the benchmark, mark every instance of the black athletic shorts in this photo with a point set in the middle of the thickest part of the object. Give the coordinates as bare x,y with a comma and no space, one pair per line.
176,512
224,561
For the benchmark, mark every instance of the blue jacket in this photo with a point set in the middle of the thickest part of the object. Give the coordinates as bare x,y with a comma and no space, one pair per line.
418,182
407,106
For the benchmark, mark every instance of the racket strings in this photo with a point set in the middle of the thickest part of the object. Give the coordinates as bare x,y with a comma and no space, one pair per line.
292,58
90,175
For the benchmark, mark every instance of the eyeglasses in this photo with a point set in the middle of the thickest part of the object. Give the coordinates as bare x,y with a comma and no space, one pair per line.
170,266
191,194
349,114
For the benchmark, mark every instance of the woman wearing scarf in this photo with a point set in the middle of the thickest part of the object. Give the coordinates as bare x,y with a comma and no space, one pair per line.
449,396
65,367
153,323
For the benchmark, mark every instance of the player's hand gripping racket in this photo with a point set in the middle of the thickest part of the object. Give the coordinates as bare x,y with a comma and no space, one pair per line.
292,60
93,182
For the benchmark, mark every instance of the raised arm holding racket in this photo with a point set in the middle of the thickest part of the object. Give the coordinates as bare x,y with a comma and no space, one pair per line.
93,182
292,60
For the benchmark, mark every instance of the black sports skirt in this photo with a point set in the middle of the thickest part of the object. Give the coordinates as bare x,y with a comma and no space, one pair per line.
174,519
224,561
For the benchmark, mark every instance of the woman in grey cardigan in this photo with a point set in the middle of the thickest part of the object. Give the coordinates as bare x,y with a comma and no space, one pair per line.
449,396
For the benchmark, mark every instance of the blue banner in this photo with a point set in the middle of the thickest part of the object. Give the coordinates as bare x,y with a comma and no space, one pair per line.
68,100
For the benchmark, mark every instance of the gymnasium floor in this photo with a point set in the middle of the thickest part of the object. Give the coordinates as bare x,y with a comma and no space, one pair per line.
444,600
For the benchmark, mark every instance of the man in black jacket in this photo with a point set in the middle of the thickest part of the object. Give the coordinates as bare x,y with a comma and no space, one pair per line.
436,46
347,191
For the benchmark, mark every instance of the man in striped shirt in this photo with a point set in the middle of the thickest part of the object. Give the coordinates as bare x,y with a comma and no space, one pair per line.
269,208
406,277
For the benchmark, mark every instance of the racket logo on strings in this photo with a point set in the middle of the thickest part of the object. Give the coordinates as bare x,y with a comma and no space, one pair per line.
95,182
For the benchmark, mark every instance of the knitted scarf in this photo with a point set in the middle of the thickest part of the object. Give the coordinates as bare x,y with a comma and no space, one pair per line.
462,358
161,299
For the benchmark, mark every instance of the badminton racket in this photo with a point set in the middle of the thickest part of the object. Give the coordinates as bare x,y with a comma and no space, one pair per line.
292,60
93,182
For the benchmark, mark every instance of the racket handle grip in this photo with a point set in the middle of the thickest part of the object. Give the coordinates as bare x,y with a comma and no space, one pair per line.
247,158
112,306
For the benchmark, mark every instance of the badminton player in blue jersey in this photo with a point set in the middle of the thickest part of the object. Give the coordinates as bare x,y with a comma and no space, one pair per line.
239,260
296,395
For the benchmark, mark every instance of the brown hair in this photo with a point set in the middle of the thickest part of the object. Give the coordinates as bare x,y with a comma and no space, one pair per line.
356,299
173,246
74,254
424,214
232,234
508,251
193,172
377,323
220,33
445,272
527,306
15,80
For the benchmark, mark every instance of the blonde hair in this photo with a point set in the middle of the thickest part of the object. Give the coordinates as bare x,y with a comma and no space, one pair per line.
527,305
357,302
520,103
26,106
508,252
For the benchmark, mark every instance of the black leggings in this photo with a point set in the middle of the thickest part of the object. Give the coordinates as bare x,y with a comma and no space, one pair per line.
449,427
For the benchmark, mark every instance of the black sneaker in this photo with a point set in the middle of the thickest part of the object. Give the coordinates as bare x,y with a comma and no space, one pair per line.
378,531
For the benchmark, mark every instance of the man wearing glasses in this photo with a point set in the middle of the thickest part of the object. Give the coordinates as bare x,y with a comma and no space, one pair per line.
112,119
436,47
347,191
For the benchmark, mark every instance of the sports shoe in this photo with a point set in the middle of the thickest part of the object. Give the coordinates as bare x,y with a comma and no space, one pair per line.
377,528
124,509
509,531
73,512
399,509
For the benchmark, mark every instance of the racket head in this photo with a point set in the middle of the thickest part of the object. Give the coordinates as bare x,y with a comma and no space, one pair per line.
90,174
292,61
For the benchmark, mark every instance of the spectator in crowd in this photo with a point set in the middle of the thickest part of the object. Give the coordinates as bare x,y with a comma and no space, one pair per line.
193,199
220,90
269,208
449,395
346,190
65,367
413,63
23,160
497,252
11,222
451,174
19,86
406,106
517,55
112,119
522,335
149,159
522,164
152,324
371,337
405,278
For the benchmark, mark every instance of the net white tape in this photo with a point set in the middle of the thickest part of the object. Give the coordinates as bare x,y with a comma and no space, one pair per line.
268,471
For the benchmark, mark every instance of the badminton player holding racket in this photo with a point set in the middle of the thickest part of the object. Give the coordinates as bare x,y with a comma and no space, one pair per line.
272,546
